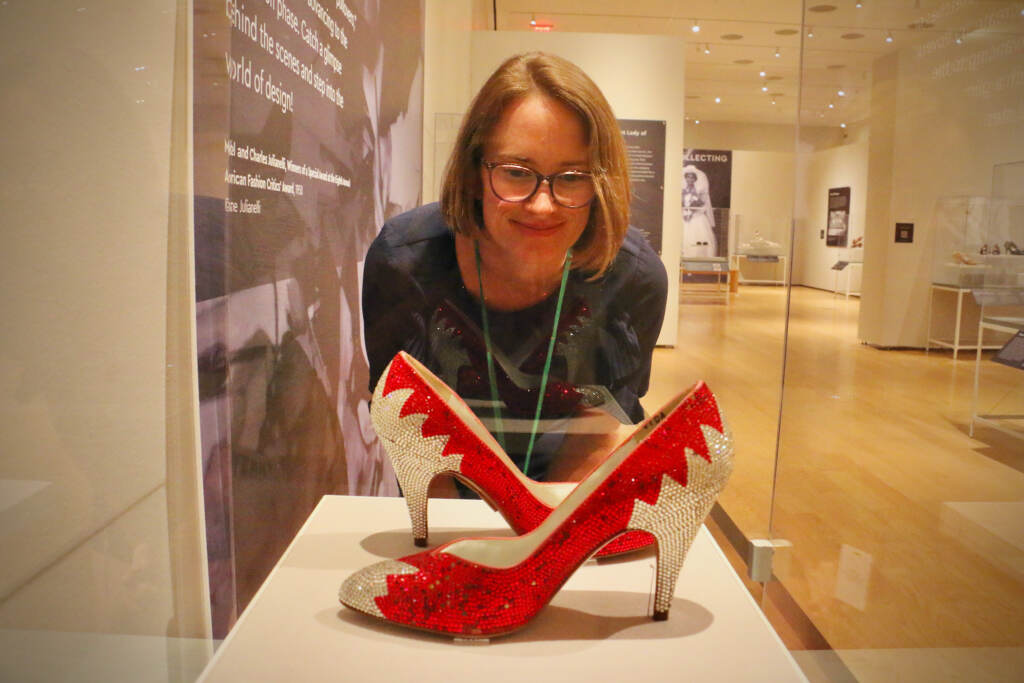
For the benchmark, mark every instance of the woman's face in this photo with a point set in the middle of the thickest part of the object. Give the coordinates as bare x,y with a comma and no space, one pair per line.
542,134
691,178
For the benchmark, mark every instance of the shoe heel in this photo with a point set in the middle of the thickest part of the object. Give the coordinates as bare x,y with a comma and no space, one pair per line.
415,483
673,545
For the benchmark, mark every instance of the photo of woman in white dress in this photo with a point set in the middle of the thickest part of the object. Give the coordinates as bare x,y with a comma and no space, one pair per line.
698,218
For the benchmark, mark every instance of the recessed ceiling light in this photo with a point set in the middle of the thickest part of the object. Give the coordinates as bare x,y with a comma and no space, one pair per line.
743,61
822,8
888,37
732,36
718,100
777,53
764,88
858,4
852,36
773,101
697,122
810,31
696,27
959,39
842,125
841,93
762,74
786,32
707,49
831,106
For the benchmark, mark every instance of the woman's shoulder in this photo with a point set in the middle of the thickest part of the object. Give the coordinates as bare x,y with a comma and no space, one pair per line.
638,262
417,241
422,224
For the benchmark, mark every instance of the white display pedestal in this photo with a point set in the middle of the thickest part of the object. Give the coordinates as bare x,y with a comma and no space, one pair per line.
956,343
780,269
597,628
1011,423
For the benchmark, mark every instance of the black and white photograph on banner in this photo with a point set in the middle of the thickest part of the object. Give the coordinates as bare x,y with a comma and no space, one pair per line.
838,217
645,145
308,130
706,200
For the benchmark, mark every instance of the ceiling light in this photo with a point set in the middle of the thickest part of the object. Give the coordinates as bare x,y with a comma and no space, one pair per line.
697,122
831,106
810,31
533,20
841,93
707,48
858,4
888,37
696,27
773,101
777,54
842,125
762,74
718,100
959,39
764,88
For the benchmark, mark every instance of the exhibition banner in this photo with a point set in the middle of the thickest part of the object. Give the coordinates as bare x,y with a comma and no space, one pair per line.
707,198
838,217
645,146
307,136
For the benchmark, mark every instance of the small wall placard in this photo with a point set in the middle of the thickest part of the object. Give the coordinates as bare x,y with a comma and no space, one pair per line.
905,232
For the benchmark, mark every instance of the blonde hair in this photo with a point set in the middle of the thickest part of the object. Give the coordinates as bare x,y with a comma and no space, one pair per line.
561,80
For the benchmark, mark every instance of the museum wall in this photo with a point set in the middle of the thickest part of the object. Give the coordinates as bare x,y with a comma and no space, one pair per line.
942,115
844,166
95,257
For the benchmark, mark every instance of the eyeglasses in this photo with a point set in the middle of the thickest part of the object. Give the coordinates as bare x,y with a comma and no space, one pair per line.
515,183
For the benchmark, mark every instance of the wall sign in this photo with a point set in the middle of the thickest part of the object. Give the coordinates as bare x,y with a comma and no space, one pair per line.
645,145
838,217
307,136
904,232
707,198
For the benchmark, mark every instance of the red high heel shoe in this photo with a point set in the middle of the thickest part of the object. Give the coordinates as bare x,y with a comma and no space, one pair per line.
662,480
427,430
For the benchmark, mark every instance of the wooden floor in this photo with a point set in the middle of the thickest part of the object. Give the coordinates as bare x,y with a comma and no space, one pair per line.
905,531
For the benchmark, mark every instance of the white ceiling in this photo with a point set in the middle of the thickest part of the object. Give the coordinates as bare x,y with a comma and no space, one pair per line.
846,41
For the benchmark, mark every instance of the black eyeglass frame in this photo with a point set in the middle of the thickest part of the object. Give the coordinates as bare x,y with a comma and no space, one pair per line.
539,178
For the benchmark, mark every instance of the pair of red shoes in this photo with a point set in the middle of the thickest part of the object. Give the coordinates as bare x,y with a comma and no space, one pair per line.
659,485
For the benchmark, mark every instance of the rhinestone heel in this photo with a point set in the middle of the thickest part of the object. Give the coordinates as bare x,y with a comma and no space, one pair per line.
662,480
427,430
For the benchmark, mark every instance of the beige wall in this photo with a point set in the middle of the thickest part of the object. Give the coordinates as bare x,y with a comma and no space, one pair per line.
844,166
96,353
942,116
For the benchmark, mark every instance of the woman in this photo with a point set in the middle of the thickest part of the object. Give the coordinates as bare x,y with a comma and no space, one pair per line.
698,217
533,221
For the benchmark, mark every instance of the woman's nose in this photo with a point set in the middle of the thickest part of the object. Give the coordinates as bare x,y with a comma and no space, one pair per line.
542,200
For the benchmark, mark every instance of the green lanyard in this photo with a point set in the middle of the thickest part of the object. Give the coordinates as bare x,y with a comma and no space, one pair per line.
547,362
